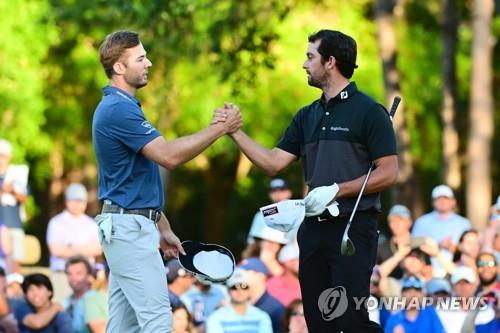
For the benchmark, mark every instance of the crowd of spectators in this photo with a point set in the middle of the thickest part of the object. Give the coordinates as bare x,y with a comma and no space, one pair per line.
435,259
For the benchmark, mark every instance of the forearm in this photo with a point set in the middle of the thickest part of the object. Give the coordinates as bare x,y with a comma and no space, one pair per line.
447,264
97,326
262,157
40,319
163,224
381,178
90,250
386,267
183,149
62,250
4,306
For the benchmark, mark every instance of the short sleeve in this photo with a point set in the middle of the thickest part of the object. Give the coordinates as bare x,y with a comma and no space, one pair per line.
380,138
95,307
292,139
53,233
132,129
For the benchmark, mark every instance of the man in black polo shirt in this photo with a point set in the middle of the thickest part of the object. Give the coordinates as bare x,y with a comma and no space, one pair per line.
337,136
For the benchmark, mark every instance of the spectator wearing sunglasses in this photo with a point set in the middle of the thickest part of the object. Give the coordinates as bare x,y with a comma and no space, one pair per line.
294,321
487,269
239,315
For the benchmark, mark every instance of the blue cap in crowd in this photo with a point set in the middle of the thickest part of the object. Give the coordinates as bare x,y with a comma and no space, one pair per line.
412,282
438,285
254,264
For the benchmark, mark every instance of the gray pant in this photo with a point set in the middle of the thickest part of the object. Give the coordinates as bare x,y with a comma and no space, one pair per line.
138,294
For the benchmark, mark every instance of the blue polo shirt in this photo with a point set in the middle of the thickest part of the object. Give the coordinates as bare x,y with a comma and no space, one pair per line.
61,323
119,132
273,308
427,321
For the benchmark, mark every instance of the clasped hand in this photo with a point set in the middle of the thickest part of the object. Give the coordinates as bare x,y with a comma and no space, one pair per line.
228,116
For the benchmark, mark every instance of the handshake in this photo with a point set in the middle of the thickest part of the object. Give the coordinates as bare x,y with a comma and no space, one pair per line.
229,117
322,198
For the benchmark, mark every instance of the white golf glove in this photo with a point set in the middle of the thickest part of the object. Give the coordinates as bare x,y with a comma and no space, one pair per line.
318,198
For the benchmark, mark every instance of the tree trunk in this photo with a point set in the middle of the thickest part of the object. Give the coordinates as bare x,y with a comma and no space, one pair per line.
219,180
450,170
478,192
408,191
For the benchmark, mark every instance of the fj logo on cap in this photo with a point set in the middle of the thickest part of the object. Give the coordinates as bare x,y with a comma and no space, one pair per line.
270,211
344,95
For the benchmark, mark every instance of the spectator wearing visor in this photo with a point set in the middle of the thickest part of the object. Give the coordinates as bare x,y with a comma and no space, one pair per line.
239,315
414,317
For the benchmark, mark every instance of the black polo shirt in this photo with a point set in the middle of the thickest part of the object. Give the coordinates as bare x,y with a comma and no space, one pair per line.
337,141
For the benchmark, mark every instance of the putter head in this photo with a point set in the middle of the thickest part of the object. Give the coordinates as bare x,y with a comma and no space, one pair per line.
347,247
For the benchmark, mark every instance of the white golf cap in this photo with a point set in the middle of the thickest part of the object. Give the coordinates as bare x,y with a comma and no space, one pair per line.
442,191
5,148
239,277
284,215
463,273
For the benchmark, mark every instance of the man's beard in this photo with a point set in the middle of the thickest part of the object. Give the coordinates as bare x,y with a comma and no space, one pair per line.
136,81
486,282
317,82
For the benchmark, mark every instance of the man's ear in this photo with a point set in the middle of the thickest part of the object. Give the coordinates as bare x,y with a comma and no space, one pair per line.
119,68
330,64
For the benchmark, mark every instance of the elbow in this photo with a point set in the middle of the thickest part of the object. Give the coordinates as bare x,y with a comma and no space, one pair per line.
393,180
170,163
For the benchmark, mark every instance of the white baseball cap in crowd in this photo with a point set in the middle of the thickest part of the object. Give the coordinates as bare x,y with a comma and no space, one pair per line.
5,148
442,191
239,277
14,278
76,191
284,215
463,273
207,262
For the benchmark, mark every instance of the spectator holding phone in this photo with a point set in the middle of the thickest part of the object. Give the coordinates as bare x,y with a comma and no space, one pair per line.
400,222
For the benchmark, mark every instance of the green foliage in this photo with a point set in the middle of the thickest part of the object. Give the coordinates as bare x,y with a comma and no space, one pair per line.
27,33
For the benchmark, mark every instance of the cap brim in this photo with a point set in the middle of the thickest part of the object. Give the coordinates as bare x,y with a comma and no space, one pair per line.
192,248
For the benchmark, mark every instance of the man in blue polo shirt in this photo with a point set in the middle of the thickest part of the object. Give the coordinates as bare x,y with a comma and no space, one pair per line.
337,137
128,151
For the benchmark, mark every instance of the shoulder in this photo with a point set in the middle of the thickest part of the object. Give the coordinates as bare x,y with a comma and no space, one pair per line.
256,312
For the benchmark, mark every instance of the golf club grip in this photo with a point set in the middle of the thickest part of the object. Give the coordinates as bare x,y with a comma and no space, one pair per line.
394,107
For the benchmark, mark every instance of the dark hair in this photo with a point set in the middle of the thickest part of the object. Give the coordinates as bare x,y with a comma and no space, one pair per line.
458,253
77,260
338,45
38,280
113,48
288,313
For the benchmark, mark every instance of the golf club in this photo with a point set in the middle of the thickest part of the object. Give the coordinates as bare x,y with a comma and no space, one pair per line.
347,246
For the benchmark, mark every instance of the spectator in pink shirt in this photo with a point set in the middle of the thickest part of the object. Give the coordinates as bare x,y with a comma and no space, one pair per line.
286,287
